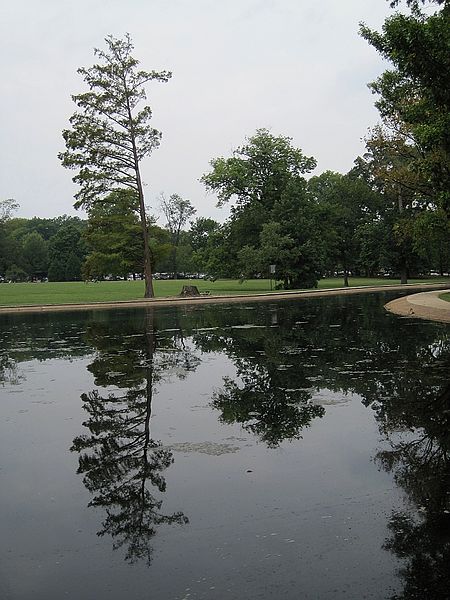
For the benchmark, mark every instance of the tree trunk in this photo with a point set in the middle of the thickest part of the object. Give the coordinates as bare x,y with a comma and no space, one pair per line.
403,273
174,263
345,278
403,266
148,293
190,290
441,262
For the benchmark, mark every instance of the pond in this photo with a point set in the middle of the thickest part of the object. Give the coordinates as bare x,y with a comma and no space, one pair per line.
294,450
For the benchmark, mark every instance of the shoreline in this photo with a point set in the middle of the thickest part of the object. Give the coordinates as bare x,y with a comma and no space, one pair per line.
225,299
424,305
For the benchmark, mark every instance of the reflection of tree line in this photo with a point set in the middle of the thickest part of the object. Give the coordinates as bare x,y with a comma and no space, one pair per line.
289,352
403,377
39,337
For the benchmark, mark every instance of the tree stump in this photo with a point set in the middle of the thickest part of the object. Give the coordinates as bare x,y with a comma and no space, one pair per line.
189,290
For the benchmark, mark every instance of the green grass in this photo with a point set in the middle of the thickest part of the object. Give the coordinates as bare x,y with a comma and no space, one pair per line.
13,294
445,297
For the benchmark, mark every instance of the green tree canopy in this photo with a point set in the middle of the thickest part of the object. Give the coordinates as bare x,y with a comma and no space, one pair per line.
265,179
414,96
177,211
259,171
114,237
346,204
35,254
66,253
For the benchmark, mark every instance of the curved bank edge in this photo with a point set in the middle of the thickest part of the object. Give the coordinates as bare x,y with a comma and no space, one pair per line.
424,305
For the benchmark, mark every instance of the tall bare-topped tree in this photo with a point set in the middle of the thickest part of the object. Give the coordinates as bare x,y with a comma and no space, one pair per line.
110,135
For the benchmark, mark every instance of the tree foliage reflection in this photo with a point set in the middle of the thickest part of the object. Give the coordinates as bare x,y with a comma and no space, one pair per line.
398,373
122,465
420,461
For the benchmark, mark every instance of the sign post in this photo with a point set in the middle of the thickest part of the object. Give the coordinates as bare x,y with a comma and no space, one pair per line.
272,269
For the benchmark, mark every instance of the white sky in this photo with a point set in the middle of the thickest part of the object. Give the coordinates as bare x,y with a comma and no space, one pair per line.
296,67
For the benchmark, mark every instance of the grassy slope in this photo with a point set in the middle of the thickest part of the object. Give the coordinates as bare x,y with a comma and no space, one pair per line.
104,291
445,297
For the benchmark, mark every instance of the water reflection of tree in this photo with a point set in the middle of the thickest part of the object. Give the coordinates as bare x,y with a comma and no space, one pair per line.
291,351
420,462
274,414
402,375
271,396
122,464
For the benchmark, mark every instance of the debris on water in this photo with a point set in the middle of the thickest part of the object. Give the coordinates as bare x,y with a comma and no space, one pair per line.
246,326
210,448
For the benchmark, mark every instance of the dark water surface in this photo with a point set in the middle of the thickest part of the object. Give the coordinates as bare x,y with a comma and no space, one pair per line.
280,450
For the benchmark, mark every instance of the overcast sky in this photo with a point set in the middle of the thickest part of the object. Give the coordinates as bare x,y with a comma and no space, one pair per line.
296,67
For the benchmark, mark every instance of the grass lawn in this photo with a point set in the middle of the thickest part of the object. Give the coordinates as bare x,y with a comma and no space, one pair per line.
445,297
12,294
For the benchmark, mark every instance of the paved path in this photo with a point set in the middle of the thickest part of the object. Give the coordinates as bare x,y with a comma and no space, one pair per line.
425,305
217,299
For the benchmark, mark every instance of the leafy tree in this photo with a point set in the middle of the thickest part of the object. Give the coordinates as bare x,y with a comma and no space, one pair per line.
203,239
200,231
258,172
160,246
110,136
432,240
73,268
114,237
46,228
387,167
184,255
265,179
413,96
57,269
376,254
415,3
66,251
295,263
177,211
218,257
346,204
7,208
15,274
35,255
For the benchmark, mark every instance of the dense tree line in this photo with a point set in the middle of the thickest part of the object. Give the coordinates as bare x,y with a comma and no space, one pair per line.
388,215
35,249
331,224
